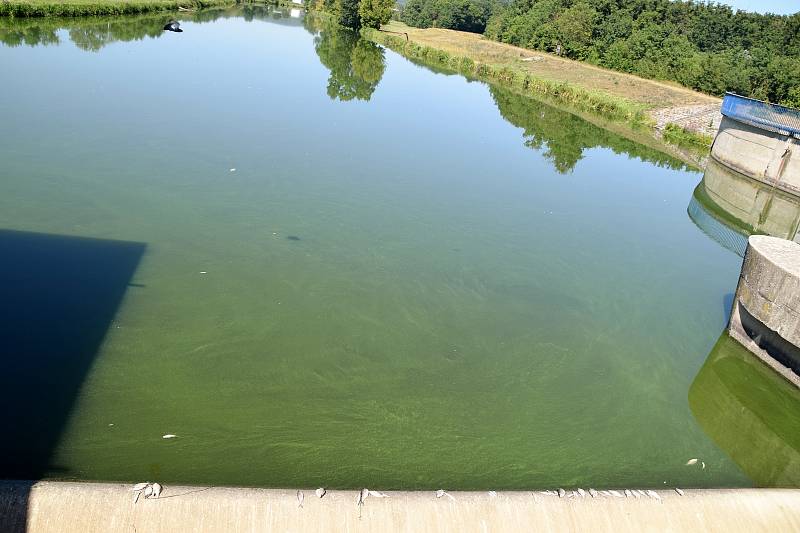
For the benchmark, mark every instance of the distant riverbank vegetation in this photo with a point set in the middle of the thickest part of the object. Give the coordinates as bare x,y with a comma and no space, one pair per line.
598,102
463,15
74,8
355,14
707,47
92,34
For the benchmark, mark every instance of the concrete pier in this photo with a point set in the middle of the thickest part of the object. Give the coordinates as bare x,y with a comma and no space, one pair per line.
100,507
766,310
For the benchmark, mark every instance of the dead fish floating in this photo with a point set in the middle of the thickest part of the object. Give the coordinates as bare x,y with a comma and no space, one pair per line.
173,25
168,436
691,462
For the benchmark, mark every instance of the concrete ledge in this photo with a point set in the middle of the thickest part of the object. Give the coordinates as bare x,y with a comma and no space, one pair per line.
88,507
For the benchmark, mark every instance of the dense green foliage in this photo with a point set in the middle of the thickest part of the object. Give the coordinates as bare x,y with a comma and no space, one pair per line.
707,47
355,14
464,15
374,13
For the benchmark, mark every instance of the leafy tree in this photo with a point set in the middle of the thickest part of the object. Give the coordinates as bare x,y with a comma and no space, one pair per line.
706,46
346,12
463,15
375,13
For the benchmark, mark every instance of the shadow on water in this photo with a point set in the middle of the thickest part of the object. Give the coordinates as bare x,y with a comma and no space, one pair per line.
750,412
58,297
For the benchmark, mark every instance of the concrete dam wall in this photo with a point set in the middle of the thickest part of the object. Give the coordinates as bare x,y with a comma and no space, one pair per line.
761,141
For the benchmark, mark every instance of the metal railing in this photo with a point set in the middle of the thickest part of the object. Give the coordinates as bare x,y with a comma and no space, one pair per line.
770,117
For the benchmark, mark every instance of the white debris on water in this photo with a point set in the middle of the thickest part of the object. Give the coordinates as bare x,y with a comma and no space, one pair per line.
168,436
691,462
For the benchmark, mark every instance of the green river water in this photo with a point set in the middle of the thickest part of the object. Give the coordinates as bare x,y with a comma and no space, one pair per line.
319,264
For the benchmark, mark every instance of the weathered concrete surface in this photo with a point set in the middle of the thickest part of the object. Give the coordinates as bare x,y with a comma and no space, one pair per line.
759,154
751,205
90,507
766,311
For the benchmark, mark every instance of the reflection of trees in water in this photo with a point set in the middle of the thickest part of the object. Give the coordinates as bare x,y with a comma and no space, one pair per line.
564,136
356,65
93,33
18,32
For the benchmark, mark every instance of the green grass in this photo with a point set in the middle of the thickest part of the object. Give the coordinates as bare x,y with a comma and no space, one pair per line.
675,134
602,103
73,8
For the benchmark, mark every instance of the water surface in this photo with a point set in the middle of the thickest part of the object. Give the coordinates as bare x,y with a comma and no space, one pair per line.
317,263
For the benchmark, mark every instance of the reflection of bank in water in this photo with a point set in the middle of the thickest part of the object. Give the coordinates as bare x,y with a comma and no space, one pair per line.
750,412
729,207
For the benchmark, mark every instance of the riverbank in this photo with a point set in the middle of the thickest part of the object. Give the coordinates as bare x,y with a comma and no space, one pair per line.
76,8
677,114
86,507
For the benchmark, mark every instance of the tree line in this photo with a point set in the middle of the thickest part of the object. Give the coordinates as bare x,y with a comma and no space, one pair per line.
464,15
356,14
708,47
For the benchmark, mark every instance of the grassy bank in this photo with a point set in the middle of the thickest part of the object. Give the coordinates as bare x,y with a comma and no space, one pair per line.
74,8
676,134
600,92
509,75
